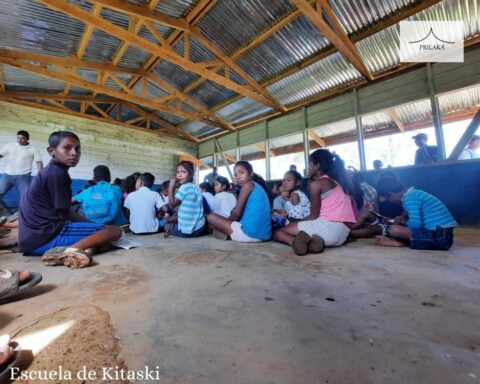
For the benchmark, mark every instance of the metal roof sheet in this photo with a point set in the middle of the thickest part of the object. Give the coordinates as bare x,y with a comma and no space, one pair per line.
225,24
242,109
32,27
294,42
331,72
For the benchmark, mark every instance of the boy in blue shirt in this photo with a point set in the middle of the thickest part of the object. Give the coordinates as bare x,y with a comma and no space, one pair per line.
102,202
47,225
429,225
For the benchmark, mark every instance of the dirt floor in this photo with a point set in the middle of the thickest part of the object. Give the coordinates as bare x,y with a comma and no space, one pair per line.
211,311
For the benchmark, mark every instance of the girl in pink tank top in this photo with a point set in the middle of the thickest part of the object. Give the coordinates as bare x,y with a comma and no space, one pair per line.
331,212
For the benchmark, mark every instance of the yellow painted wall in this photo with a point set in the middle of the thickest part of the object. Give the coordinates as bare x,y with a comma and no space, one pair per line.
122,149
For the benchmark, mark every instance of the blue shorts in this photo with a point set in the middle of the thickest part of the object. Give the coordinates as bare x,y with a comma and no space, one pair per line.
72,232
439,239
174,231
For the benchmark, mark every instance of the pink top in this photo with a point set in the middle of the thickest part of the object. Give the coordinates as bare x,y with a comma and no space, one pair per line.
336,205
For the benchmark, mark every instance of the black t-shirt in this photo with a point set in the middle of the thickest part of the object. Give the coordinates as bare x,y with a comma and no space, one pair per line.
40,219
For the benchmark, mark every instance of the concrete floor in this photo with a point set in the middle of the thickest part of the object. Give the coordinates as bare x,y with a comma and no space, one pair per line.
212,311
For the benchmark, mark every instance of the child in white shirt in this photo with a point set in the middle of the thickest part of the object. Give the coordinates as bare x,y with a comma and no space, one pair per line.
224,201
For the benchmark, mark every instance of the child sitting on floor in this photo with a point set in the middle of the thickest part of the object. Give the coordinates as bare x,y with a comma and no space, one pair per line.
224,201
46,224
102,202
207,192
250,221
331,208
143,206
189,200
430,224
298,205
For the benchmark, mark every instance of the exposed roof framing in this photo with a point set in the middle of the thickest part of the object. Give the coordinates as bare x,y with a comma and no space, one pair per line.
336,35
196,69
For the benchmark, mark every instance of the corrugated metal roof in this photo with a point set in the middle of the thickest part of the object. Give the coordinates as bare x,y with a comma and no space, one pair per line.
380,51
19,80
29,26
32,27
286,141
329,73
242,109
340,128
291,44
101,47
460,101
357,15
210,93
226,23
174,74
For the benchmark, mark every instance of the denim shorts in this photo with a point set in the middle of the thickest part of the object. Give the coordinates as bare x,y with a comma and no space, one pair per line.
174,231
71,233
439,239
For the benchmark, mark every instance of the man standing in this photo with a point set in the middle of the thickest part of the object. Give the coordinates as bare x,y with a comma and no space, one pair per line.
426,154
19,167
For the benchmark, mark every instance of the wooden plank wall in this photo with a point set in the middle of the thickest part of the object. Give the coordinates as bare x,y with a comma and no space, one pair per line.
122,149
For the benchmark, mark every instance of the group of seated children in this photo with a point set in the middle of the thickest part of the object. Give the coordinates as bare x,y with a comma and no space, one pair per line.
48,226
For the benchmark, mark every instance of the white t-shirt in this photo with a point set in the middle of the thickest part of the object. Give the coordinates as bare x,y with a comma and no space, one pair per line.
143,205
468,154
223,203
209,197
20,157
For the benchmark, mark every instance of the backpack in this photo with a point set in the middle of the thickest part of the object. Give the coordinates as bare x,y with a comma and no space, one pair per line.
100,204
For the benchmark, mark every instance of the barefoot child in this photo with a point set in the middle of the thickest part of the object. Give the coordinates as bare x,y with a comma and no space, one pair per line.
430,224
331,208
47,226
189,200
250,220
298,205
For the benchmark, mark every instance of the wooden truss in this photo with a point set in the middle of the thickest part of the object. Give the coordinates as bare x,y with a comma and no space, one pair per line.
178,102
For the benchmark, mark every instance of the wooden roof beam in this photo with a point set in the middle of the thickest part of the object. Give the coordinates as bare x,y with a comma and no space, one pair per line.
87,33
261,146
2,79
155,118
337,37
317,139
59,97
142,12
393,19
68,62
81,82
394,115
110,28
146,12
83,115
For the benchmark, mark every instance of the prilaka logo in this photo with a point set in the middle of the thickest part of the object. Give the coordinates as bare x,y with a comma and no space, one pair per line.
431,41
439,46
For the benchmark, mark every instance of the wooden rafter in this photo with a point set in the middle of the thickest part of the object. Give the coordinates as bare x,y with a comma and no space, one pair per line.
81,82
166,54
64,110
149,15
82,46
317,139
394,115
261,146
60,97
100,111
337,37
2,80
229,158
387,22
68,62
